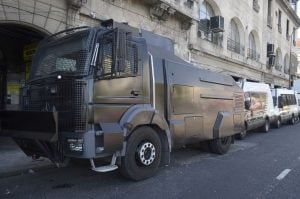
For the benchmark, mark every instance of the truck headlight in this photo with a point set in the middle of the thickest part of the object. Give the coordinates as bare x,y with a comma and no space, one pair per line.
75,144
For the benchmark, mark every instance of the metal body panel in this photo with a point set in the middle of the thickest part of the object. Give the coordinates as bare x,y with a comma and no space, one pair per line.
195,100
118,91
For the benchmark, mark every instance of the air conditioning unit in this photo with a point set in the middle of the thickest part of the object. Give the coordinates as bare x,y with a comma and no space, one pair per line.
217,24
270,50
204,25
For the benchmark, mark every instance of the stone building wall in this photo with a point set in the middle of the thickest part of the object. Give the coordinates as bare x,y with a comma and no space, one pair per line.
177,20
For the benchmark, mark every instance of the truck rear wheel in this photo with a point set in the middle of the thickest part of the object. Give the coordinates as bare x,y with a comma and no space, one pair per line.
220,145
143,154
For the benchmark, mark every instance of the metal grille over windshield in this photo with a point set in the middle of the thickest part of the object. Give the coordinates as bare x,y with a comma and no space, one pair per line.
121,66
67,55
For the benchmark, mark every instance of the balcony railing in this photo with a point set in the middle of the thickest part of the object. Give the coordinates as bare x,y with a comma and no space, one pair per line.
235,46
252,54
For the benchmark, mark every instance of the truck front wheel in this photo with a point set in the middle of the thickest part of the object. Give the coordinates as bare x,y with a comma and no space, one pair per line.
220,145
143,154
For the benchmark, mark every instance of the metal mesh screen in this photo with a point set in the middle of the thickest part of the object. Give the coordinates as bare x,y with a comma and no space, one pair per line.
112,67
68,54
66,97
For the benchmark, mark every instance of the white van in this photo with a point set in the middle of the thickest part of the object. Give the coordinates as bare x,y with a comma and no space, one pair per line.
285,102
259,108
297,90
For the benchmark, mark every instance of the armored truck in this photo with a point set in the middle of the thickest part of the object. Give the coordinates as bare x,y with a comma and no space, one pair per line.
118,92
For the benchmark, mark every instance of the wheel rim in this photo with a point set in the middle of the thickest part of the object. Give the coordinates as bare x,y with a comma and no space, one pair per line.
243,134
146,153
267,126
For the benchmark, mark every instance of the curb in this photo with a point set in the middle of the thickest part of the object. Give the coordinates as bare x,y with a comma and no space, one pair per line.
25,171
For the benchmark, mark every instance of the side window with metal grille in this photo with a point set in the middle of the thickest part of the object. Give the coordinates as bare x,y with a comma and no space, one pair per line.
131,60
113,64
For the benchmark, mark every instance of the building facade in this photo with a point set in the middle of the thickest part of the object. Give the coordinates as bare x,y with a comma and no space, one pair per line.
247,39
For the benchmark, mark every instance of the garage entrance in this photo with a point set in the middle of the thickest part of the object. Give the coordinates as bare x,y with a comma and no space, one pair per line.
17,47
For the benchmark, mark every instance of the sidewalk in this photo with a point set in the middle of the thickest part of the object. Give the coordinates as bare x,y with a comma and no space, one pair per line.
14,162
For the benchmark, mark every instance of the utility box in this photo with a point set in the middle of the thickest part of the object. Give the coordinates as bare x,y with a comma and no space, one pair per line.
217,24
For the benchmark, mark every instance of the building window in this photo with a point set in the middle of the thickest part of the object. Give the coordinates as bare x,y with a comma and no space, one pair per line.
287,29
256,6
252,52
279,21
270,18
206,12
234,41
278,60
286,64
294,36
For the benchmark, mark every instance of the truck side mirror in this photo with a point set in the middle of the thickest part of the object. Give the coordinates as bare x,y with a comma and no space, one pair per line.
247,103
280,102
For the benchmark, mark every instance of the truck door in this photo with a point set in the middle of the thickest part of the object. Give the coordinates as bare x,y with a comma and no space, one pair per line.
118,70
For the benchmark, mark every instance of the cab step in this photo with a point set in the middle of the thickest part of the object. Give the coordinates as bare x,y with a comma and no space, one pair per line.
111,167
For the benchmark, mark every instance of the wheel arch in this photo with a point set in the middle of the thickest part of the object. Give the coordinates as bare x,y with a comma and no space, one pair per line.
144,115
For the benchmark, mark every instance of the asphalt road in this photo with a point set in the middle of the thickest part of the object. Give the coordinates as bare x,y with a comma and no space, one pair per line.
264,165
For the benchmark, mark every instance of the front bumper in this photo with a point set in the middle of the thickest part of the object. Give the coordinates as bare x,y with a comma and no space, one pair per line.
104,141
33,125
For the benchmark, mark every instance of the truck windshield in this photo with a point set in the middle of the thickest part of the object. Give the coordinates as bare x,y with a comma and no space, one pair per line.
67,55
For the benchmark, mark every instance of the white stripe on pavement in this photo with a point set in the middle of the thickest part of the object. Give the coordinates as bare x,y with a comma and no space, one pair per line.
283,174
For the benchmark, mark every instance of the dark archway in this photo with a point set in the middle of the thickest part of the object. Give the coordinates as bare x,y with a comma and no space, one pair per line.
17,45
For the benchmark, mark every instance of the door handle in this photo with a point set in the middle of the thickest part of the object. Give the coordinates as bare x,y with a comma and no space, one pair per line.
135,93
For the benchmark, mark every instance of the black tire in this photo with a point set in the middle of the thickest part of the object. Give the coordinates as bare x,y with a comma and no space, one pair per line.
135,165
220,145
292,121
278,123
266,126
241,135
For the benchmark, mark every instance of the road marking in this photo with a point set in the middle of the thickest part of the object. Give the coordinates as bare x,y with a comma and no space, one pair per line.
283,174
